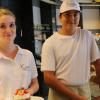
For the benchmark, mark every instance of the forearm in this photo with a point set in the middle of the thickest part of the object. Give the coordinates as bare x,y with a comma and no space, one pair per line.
58,86
97,67
34,86
64,90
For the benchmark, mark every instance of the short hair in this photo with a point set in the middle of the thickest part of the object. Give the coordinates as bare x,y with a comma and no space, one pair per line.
5,11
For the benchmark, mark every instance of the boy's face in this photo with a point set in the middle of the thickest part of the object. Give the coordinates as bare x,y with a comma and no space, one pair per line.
7,29
70,19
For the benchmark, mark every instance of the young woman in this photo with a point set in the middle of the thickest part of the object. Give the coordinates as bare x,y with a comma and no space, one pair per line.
17,65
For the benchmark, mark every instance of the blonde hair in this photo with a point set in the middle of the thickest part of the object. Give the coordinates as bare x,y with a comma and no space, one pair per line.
5,11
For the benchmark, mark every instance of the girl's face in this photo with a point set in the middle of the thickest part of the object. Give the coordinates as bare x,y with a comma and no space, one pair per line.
7,29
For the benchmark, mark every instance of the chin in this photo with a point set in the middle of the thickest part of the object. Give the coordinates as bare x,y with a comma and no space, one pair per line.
72,28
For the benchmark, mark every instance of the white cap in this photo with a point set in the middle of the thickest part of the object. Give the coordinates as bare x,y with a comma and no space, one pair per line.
69,5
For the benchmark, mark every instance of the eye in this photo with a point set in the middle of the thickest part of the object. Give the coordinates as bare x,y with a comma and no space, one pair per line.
2,26
12,25
66,14
76,14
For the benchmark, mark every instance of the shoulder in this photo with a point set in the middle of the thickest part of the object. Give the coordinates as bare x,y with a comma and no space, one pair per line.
28,52
23,51
50,41
86,33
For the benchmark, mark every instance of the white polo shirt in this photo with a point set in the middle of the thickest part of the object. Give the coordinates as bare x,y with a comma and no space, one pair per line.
17,73
70,56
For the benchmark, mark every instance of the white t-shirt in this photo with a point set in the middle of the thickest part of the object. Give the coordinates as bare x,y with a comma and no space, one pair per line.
17,73
70,56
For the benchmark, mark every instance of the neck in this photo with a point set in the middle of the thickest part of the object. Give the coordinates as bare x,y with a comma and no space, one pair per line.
64,31
7,47
9,50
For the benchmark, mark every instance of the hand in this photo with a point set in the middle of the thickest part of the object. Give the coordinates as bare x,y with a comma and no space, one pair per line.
30,91
97,98
83,98
80,98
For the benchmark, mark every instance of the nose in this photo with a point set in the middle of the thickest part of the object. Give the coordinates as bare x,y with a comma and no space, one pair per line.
72,18
8,30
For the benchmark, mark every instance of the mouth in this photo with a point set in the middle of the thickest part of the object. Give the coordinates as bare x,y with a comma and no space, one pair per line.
72,23
7,35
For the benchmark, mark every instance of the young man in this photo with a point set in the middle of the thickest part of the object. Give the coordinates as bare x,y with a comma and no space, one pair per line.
67,56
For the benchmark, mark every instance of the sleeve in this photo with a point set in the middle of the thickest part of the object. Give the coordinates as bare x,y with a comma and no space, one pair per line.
48,58
34,72
95,52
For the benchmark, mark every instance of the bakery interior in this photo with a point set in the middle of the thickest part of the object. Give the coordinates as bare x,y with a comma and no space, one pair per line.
37,20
